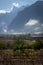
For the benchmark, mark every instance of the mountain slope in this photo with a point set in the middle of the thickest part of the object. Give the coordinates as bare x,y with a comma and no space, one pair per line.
33,12
7,18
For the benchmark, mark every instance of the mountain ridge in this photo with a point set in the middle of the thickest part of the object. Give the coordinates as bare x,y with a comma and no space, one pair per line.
24,19
34,12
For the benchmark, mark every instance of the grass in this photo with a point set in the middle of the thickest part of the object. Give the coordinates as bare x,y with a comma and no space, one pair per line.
29,57
20,53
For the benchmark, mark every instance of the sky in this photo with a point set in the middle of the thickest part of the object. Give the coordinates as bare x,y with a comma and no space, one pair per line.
8,4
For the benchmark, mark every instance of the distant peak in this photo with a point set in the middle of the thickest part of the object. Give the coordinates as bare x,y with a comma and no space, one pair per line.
40,0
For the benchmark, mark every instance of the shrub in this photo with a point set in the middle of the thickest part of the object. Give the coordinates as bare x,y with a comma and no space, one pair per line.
20,45
2,45
37,45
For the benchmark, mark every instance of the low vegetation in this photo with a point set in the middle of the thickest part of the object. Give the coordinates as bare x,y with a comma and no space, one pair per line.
38,44
21,45
19,52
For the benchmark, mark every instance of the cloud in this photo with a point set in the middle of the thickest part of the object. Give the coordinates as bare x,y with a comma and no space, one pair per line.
2,11
18,33
37,28
16,4
31,22
39,32
42,25
13,5
5,30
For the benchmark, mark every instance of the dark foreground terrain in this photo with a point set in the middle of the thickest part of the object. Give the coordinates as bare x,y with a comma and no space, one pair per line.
21,51
30,57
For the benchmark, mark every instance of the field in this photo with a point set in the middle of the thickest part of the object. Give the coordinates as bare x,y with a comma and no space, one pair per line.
21,52
30,57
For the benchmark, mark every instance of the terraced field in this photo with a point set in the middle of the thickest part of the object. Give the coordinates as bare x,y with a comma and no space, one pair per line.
30,57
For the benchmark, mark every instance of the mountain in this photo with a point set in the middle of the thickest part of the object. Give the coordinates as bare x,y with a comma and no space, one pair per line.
30,19
25,19
7,18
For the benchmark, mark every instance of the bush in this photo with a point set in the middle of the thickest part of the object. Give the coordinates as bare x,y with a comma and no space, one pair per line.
20,45
37,45
2,45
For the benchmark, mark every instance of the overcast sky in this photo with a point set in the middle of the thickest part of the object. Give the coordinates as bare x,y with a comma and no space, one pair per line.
7,4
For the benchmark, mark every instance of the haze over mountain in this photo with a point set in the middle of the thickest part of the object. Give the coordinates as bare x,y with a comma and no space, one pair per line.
7,18
28,19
